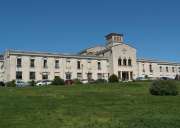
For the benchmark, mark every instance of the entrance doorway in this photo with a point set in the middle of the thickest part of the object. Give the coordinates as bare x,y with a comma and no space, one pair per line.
125,76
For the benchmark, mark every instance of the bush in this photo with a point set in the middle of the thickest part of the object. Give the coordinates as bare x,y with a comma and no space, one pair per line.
11,83
163,88
113,79
32,83
2,84
58,81
77,81
69,82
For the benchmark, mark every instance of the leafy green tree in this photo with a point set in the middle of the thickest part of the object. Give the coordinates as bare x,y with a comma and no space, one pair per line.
113,79
58,81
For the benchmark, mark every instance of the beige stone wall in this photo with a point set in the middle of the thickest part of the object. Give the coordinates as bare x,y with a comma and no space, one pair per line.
1,71
64,68
144,69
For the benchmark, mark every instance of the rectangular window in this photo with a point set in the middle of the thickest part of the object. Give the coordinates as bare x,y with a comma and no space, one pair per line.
119,75
57,64
99,65
167,69
79,76
68,64
45,77
45,63
129,62
173,69
99,76
160,68
32,76
19,62
18,75
143,68
68,76
78,64
89,76
150,68
32,65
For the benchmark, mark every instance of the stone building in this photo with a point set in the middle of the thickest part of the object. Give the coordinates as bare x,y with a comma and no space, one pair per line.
115,57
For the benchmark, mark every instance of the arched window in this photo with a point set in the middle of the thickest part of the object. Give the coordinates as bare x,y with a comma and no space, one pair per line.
119,61
129,62
125,62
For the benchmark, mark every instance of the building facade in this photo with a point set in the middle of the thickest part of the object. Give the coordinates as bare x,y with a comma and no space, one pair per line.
99,62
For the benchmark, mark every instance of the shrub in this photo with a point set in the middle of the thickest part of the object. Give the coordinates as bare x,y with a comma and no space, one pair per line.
2,84
58,81
32,83
113,79
77,81
11,83
146,77
163,88
69,82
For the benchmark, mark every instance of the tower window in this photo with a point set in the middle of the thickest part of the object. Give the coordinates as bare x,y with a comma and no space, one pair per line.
119,61
125,62
129,62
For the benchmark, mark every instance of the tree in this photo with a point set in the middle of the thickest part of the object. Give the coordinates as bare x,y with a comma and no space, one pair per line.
113,79
58,81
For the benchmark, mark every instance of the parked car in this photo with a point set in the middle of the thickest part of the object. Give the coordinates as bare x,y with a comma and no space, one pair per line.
43,82
21,83
84,81
165,78
141,78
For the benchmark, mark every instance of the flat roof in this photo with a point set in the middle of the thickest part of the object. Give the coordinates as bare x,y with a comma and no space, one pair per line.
48,54
158,61
113,34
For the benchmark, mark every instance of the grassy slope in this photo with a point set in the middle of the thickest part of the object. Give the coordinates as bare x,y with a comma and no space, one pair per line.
88,107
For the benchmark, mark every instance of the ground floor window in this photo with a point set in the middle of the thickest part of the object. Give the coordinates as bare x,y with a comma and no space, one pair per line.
131,75
79,76
45,76
99,76
32,76
19,75
119,75
89,76
68,76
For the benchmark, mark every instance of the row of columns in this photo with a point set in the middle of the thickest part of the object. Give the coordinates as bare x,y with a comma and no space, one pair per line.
125,75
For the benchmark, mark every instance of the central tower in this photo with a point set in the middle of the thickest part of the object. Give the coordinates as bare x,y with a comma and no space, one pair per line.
114,38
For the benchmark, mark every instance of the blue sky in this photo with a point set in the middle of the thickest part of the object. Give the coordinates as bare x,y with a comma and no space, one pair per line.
152,26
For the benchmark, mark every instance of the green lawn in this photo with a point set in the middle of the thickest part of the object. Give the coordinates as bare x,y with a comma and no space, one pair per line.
127,105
